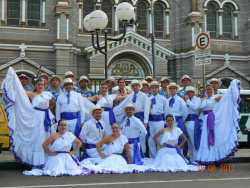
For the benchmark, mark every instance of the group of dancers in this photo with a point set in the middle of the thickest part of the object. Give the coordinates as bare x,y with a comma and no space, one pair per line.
114,138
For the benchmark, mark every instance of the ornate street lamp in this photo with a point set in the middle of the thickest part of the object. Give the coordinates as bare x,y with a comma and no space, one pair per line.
98,20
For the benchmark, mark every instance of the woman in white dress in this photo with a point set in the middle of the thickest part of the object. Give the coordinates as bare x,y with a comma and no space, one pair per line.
29,123
106,102
112,159
219,125
169,157
61,160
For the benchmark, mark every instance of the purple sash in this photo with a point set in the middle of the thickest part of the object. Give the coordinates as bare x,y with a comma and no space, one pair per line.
197,130
84,155
71,116
181,126
111,115
137,151
210,126
159,117
72,156
47,121
179,153
140,115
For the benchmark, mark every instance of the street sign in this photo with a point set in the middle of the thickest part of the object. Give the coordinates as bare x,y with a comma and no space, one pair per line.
202,50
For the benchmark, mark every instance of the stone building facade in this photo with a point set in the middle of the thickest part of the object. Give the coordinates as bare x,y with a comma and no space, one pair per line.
50,33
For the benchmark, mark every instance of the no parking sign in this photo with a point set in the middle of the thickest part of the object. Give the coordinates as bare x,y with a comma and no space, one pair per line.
202,50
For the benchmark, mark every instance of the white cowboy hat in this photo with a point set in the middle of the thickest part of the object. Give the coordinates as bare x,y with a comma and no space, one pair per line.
135,82
190,88
129,105
55,76
96,107
154,83
173,84
144,82
185,76
112,79
28,78
43,74
69,73
84,78
149,78
165,78
67,81
215,80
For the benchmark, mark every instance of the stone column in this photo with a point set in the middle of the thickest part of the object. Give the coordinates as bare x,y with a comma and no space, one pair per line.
150,22
235,25
205,20
116,22
80,16
67,27
192,30
2,15
23,23
58,27
43,14
220,24
167,24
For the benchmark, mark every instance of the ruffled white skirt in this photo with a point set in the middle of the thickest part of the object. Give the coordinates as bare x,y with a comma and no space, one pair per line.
60,165
110,165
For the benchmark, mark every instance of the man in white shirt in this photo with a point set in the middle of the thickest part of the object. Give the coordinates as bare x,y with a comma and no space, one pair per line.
93,132
192,126
134,130
69,106
157,115
178,108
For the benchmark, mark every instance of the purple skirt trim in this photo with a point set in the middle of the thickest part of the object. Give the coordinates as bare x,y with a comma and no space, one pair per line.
234,150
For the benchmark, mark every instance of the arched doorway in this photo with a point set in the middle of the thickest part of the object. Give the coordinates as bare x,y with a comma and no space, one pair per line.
225,82
130,65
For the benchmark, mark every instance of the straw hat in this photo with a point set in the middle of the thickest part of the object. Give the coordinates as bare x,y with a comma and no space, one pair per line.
96,107
112,79
165,78
69,73
173,84
215,80
135,82
25,76
154,83
129,105
185,76
84,78
55,76
67,81
149,78
144,82
190,88
43,74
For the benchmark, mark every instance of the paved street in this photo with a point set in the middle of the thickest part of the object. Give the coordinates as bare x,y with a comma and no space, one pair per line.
234,174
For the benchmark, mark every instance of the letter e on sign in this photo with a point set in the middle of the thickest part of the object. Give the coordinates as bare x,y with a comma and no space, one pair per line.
202,41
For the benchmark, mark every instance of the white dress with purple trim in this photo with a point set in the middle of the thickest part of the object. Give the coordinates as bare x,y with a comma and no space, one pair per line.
63,164
168,159
115,163
107,117
26,125
219,142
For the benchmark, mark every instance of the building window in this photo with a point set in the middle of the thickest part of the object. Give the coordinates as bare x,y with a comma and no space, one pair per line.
211,20
33,16
227,22
88,7
107,7
13,12
158,20
142,19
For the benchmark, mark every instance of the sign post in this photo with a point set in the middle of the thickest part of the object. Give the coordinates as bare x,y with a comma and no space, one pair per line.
202,52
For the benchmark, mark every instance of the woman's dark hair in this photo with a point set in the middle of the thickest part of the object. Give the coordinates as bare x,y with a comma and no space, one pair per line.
120,80
169,116
209,85
38,80
201,87
61,120
103,84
